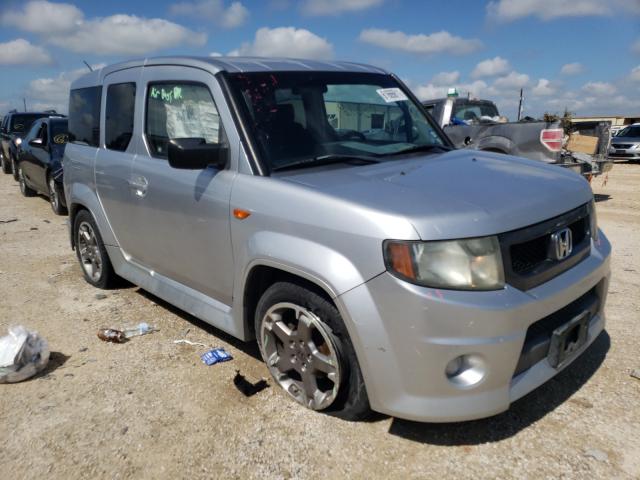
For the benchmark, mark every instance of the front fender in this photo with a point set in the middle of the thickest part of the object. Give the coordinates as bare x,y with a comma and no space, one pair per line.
315,262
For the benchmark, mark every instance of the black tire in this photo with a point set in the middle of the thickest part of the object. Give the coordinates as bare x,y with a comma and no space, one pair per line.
56,194
14,168
25,189
107,277
351,401
6,166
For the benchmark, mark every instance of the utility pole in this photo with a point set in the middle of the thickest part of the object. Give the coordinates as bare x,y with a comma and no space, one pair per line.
520,105
24,102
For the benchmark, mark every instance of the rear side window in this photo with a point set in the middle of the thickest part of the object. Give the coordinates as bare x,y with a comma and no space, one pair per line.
84,116
180,110
21,123
119,112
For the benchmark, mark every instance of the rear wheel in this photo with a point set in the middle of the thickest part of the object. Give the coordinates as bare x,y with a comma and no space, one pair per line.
55,197
91,253
24,188
4,163
307,349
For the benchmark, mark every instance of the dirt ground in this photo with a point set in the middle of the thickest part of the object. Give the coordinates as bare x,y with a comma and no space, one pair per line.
150,409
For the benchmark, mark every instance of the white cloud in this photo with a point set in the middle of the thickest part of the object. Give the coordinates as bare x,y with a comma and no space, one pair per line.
22,52
127,34
46,93
635,74
491,67
44,17
215,54
513,80
599,88
544,88
113,35
336,7
286,42
446,78
438,42
572,69
509,10
232,16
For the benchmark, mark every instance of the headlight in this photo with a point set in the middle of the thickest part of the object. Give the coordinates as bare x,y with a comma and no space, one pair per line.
468,264
18,141
593,221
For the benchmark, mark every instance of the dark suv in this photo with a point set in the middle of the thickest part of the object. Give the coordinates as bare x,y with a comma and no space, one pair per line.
15,125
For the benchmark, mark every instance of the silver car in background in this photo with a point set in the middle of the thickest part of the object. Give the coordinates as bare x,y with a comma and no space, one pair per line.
316,207
626,144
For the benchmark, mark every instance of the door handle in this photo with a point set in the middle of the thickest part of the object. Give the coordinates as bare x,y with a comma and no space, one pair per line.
139,186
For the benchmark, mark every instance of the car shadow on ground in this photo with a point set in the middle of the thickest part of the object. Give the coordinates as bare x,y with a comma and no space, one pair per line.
249,347
601,197
522,413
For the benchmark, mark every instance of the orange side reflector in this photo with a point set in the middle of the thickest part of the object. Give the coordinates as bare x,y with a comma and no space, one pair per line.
401,259
241,214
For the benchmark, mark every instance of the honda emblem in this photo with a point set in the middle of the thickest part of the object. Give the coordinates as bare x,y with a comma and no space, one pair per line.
561,244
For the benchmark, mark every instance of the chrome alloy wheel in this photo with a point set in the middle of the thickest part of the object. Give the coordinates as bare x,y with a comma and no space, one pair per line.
53,195
89,251
300,355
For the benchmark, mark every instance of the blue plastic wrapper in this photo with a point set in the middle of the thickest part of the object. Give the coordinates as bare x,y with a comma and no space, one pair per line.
215,355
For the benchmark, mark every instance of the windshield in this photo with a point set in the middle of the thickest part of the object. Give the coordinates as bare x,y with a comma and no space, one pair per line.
21,123
632,131
470,111
301,115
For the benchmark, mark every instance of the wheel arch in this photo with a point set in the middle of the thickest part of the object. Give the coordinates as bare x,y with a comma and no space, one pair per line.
262,275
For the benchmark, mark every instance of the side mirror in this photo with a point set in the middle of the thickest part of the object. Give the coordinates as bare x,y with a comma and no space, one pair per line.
36,142
196,154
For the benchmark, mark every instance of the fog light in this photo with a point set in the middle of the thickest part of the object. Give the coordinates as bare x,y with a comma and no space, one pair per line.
465,370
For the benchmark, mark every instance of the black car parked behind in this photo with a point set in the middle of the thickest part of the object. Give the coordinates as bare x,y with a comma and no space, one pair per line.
39,161
15,125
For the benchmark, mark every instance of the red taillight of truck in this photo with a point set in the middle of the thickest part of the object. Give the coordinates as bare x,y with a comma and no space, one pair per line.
551,138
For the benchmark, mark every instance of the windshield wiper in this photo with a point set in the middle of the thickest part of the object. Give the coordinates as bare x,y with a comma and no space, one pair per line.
422,148
326,160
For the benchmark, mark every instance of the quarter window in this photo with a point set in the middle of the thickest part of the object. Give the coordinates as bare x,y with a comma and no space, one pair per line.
84,116
180,110
119,116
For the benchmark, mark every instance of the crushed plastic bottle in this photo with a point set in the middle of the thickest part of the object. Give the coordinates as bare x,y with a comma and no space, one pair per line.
111,335
141,329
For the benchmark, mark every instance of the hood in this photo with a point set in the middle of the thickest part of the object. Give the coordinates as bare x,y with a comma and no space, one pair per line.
456,194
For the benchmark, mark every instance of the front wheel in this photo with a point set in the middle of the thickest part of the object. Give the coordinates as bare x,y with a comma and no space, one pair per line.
14,168
92,255
55,197
307,349
24,188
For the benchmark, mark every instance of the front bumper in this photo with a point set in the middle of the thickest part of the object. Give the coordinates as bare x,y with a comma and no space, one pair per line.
405,336
623,154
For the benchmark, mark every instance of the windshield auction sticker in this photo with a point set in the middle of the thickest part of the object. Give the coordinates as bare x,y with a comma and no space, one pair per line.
392,94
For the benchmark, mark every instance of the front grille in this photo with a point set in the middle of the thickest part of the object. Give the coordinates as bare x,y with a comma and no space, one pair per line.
538,337
621,145
525,252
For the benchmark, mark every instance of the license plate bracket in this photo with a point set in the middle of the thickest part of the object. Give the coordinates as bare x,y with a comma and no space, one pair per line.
567,339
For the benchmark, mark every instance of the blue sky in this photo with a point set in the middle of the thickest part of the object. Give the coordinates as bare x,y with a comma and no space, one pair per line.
580,54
